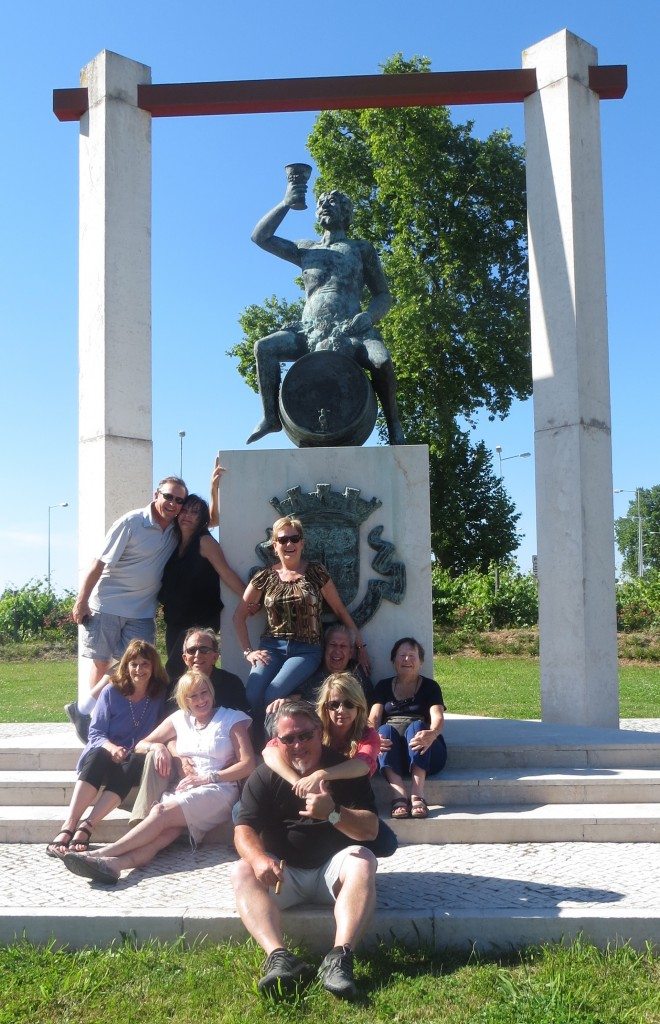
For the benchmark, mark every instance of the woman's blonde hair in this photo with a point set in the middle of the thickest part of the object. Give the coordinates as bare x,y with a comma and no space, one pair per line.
295,524
344,684
187,683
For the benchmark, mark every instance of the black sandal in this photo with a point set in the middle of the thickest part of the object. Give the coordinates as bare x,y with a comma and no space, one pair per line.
400,804
82,845
53,849
420,808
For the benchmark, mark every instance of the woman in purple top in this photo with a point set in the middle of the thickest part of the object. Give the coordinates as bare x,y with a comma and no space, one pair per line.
125,713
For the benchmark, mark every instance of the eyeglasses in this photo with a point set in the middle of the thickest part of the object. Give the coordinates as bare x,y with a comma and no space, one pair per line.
192,651
172,497
335,705
297,737
293,538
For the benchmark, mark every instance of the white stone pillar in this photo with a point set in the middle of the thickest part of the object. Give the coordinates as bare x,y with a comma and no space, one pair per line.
115,447
574,505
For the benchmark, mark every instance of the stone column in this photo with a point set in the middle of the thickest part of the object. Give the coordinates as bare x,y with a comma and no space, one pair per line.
115,447
574,505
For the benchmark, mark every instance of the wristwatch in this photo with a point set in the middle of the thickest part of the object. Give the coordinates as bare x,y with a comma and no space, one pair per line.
335,816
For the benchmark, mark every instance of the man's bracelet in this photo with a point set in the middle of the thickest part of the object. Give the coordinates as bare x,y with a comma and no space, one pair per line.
248,650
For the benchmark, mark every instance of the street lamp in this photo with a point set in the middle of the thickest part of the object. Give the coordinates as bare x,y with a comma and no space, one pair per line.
182,434
640,539
60,504
520,455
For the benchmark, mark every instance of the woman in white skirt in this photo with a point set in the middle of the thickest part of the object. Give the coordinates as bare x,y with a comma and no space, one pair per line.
216,751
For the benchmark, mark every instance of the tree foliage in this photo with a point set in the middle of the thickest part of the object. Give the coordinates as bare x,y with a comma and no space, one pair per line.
626,530
447,212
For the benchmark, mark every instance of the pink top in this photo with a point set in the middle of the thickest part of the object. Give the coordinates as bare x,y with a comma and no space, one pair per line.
368,748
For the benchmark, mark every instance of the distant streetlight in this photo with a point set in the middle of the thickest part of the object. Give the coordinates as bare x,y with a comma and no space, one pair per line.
182,434
520,455
60,504
640,538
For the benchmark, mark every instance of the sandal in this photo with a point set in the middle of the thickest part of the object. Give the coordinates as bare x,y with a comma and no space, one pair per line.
420,808
400,808
56,849
95,869
82,845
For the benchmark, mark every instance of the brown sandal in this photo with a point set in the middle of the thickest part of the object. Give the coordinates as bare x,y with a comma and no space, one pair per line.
56,849
81,845
402,806
420,808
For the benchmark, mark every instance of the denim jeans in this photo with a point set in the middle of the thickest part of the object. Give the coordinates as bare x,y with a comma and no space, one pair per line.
400,758
291,663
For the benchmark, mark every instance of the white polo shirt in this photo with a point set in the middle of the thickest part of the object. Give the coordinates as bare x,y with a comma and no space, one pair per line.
135,551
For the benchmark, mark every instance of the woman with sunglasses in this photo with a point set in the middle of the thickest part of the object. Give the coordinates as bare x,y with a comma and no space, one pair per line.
292,592
190,590
342,708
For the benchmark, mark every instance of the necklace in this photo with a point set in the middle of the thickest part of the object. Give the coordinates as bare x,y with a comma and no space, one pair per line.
137,722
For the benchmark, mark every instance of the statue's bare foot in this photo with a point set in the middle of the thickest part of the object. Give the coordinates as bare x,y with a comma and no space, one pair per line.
263,428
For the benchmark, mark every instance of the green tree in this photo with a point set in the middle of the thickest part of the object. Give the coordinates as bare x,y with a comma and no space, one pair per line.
626,530
447,213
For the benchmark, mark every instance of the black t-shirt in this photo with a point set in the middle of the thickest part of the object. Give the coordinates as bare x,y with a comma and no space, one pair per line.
271,808
417,706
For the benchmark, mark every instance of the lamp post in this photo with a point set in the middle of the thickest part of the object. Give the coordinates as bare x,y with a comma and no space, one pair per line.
520,455
60,504
182,434
640,538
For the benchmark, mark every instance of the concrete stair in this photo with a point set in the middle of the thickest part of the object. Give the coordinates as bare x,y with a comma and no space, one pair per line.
501,860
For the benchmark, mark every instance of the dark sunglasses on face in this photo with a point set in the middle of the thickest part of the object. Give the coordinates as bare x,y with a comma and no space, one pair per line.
293,538
335,705
297,737
172,497
192,651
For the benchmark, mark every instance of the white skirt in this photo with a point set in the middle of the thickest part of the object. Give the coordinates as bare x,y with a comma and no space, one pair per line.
206,806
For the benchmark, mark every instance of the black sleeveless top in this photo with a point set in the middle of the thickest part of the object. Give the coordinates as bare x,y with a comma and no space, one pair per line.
190,588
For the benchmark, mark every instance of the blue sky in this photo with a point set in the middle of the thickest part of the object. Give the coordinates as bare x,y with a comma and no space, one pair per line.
213,178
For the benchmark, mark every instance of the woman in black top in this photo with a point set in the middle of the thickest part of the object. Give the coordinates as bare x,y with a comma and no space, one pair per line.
408,711
190,589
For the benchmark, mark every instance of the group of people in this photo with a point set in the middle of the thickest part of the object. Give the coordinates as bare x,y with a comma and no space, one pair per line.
306,827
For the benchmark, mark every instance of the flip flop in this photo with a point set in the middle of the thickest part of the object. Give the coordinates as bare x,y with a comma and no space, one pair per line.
56,849
420,808
95,869
400,804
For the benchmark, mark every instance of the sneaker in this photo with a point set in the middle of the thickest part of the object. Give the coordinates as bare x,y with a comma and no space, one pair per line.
283,972
79,721
336,972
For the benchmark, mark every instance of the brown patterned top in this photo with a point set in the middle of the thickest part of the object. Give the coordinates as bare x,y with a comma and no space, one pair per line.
293,607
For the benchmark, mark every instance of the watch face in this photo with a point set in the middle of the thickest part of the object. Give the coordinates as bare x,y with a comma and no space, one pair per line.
334,817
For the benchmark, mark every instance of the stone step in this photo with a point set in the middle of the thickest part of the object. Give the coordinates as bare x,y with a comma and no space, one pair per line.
478,786
453,787
611,823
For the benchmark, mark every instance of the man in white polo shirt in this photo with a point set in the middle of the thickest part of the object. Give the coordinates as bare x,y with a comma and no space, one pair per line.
117,600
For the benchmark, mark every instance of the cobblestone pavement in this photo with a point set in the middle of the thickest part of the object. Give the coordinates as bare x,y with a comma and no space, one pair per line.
518,876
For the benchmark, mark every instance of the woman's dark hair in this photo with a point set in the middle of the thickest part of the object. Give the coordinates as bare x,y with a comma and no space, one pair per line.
407,640
195,501
122,680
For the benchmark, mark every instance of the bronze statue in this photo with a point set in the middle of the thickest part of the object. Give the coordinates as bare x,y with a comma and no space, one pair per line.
335,270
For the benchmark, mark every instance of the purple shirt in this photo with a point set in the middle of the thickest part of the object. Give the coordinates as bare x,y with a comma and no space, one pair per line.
114,718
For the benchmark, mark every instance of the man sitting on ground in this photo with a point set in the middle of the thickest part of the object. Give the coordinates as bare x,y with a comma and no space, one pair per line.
295,850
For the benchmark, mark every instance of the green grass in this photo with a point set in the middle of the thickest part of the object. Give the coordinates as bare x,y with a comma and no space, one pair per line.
157,984
36,691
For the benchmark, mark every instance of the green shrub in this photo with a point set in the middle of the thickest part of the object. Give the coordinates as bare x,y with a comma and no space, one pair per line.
638,602
32,611
471,603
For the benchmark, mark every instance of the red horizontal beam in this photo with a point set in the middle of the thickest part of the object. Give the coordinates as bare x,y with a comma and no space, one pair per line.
259,96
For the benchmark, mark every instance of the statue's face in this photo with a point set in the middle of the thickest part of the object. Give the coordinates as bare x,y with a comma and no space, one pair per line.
329,211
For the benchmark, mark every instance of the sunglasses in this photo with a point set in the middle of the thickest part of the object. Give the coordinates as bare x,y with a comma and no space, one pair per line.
192,651
297,737
293,538
335,705
172,497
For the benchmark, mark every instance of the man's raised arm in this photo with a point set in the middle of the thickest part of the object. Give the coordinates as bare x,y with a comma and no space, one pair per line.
264,233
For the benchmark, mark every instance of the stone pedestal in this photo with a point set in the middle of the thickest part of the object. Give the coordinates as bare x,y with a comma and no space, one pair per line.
398,477
577,611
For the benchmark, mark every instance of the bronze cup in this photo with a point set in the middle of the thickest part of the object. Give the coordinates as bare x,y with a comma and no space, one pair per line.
297,176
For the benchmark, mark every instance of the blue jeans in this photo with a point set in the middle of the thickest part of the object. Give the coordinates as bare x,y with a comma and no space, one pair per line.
400,758
291,663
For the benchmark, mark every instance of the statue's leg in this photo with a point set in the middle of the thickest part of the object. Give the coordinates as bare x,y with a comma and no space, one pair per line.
373,355
268,353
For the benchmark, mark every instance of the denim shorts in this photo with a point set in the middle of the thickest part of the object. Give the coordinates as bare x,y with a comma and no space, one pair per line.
105,637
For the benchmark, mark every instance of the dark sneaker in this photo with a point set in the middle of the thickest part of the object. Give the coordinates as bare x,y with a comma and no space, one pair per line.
336,973
283,972
79,721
